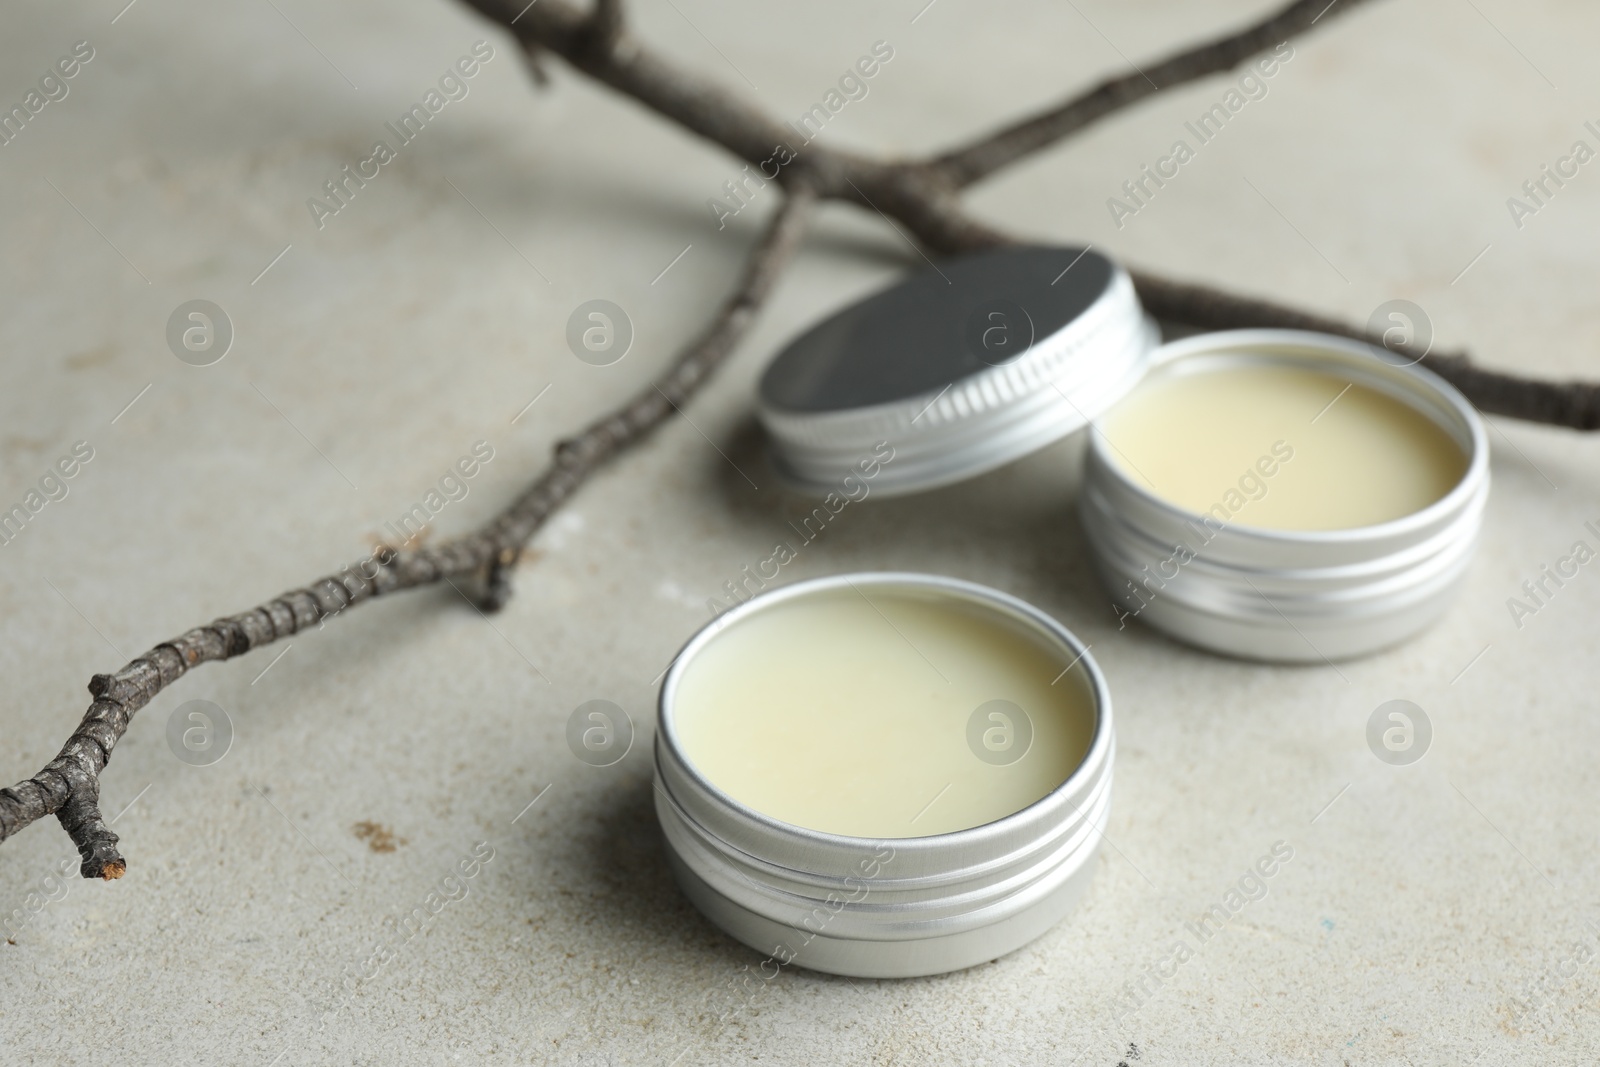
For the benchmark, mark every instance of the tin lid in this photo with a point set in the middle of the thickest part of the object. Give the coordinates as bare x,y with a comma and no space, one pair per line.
960,368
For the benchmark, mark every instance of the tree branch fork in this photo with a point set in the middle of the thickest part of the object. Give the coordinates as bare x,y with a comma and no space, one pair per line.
921,194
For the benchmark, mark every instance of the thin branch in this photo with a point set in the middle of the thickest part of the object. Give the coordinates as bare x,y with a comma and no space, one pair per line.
69,785
1573,404
921,194
973,162
605,25
699,104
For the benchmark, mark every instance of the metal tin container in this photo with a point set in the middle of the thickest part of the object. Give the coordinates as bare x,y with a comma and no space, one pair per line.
1285,595
897,907
962,368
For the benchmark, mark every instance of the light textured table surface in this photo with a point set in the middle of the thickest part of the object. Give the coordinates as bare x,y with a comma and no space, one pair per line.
1437,913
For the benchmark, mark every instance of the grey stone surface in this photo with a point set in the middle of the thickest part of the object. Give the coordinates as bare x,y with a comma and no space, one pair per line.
1434,913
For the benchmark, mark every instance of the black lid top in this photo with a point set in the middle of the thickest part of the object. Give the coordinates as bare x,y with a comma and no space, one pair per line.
936,327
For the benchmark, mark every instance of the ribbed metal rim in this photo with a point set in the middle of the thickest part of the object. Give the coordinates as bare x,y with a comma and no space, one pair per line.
896,909
1264,345
959,898
983,421
1042,810
1357,590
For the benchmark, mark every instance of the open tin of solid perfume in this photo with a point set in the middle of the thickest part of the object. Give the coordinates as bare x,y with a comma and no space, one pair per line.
883,775
1269,494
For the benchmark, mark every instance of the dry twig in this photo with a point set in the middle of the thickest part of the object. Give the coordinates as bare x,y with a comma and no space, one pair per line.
922,195
69,785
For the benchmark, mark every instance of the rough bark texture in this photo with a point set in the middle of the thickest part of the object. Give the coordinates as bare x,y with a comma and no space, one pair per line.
1572,404
976,161
69,785
920,195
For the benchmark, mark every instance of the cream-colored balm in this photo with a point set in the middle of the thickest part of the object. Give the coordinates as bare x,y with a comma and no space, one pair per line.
1282,447
908,714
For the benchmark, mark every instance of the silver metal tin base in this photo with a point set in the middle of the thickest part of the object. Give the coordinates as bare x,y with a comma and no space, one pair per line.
896,907
912,958
1283,595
